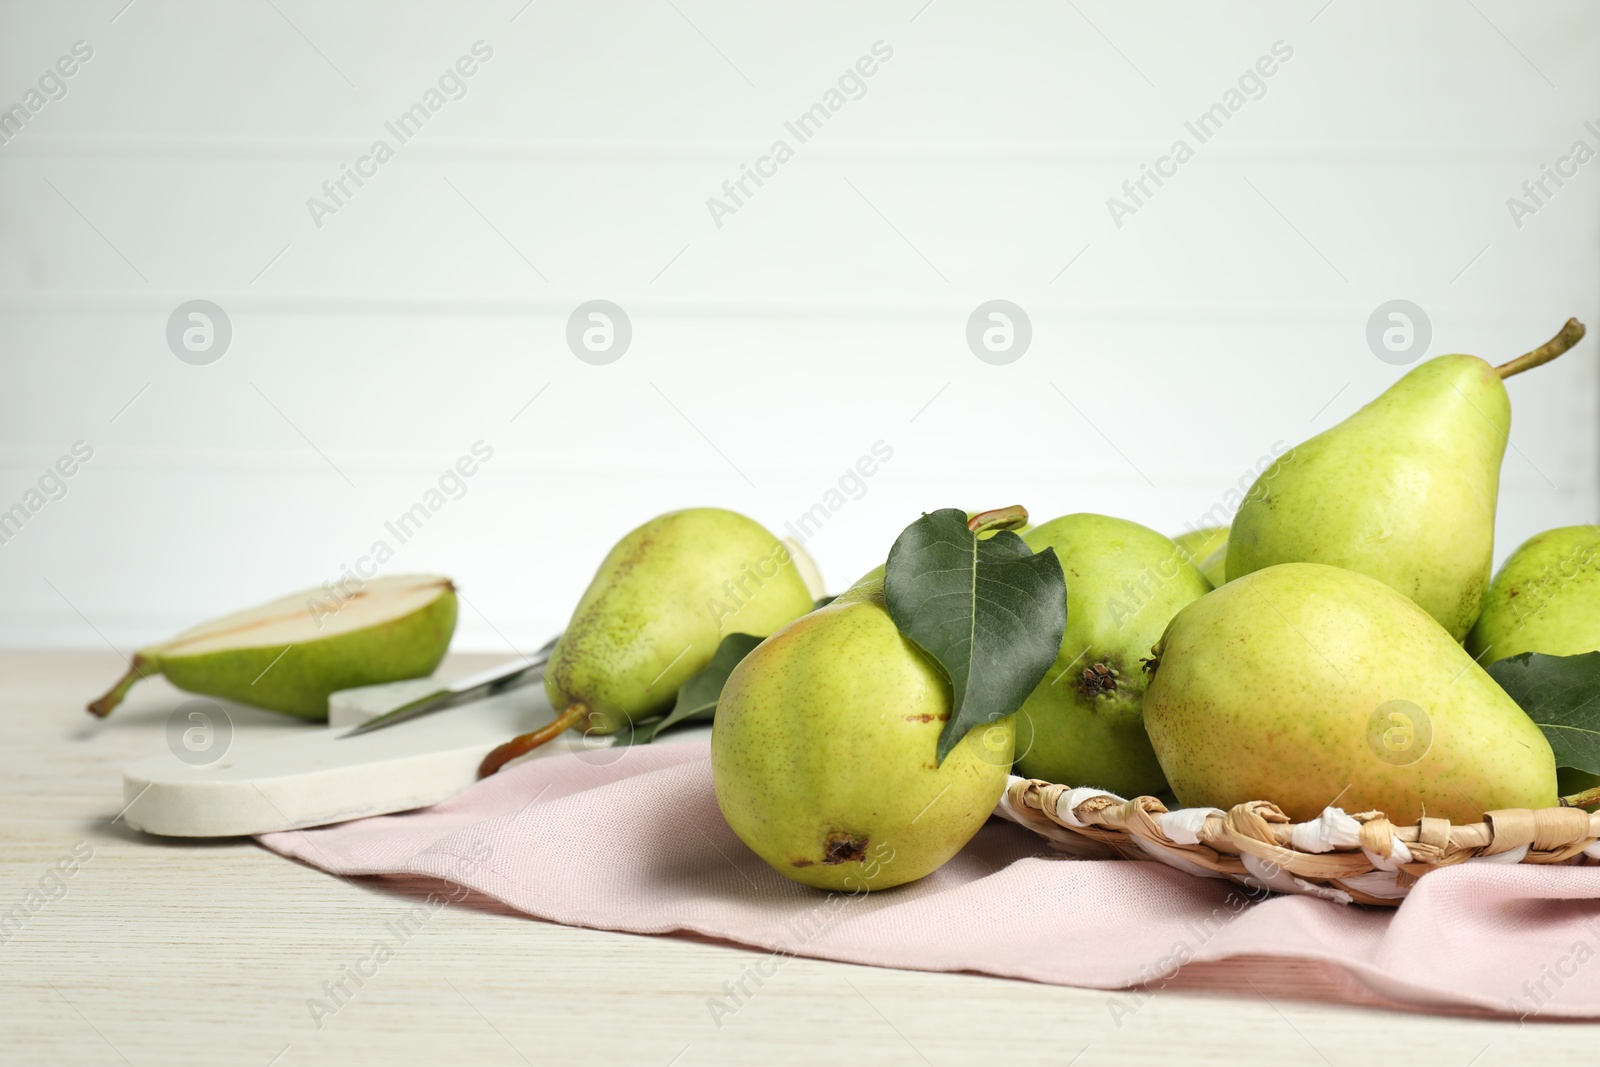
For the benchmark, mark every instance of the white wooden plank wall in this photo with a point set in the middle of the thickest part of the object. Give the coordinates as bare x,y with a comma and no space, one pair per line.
826,313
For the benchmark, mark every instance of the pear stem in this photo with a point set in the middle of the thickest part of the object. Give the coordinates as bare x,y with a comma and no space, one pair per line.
1008,518
1570,335
103,705
1586,799
520,746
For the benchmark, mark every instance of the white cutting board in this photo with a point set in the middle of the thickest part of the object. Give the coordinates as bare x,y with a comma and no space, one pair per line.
317,777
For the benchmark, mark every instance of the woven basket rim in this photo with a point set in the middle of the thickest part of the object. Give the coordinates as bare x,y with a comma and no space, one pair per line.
1351,857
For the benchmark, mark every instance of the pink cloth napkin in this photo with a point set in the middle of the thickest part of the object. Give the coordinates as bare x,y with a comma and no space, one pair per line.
631,840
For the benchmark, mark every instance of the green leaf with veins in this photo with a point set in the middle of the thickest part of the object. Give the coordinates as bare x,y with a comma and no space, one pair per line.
989,611
1562,695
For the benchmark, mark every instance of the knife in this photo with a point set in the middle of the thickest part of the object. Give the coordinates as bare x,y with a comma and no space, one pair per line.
496,679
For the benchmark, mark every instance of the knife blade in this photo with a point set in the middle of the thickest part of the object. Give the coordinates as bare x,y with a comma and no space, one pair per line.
496,679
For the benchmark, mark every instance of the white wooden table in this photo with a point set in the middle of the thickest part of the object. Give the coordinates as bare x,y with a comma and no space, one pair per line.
176,952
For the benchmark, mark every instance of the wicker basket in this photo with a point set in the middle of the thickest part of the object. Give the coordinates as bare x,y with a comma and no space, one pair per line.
1359,858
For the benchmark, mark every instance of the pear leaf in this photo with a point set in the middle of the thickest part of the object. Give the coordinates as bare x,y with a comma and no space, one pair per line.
990,612
697,697
1562,695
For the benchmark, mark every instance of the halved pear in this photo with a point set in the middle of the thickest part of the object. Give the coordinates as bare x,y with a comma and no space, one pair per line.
289,654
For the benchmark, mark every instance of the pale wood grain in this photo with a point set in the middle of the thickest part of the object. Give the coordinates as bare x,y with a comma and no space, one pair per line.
170,952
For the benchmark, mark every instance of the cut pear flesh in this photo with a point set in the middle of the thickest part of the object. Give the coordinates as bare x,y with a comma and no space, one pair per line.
289,654
309,616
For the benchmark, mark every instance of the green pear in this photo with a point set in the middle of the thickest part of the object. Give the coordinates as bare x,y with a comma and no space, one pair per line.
1403,491
1215,566
288,655
1308,685
654,614
1545,599
1201,546
824,752
1084,725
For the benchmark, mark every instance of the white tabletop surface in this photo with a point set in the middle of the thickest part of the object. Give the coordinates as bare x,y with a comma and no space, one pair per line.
176,952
